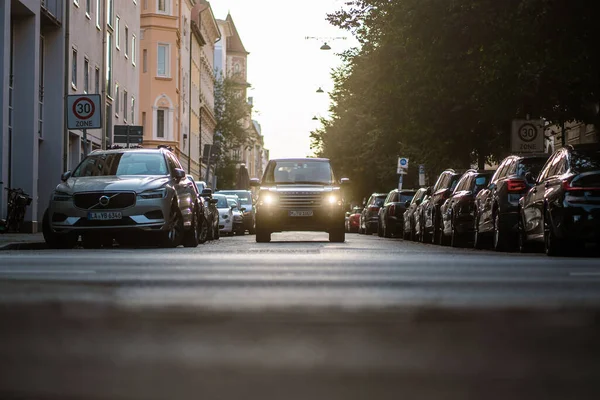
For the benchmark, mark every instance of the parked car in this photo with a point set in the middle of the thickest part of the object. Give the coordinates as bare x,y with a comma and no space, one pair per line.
422,234
409,219
369,219
391,214
113,193
458,211
246,201
225,214
353,222
496,207
442,189
562,209
201,220
238,213
211,212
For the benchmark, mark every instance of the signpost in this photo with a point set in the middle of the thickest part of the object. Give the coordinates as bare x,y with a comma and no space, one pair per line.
84,112
421,175
401,170
527,136
128,134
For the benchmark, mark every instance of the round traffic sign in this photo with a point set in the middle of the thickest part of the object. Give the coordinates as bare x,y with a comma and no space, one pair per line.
403,161
84,108
528,132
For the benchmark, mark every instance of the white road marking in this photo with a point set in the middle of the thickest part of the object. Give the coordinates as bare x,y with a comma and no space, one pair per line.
46,272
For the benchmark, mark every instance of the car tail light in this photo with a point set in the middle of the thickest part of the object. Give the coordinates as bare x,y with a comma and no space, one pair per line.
567,186
516,185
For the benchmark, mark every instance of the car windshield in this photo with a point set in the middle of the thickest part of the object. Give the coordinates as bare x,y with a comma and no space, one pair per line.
404,197
231,202
304,171
222,201
125,163
244,197
533,165
585,161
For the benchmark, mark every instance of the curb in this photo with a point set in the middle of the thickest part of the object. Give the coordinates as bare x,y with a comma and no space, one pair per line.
24,246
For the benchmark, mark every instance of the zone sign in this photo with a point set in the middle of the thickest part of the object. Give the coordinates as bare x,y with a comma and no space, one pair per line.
83,111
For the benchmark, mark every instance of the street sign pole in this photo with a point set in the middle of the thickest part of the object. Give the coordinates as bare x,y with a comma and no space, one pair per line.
85,143
400,181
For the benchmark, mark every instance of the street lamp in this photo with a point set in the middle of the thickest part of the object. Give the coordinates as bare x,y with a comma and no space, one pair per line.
325,40
325,46
319,90
315,118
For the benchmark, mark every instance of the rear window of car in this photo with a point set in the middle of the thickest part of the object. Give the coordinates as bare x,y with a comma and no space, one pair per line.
378,201
585,161
533,165
404,197
454,181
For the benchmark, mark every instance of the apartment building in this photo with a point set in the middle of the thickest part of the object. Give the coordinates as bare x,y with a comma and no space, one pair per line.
32,89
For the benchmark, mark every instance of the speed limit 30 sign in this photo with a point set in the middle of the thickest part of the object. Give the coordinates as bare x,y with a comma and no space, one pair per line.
527,136
83,111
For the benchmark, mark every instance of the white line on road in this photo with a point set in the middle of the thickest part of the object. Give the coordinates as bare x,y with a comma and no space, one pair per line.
46,272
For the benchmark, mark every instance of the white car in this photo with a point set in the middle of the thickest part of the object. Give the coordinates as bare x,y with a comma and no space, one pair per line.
225,214
238,213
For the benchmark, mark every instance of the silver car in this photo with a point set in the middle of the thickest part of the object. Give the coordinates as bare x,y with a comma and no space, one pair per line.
127,195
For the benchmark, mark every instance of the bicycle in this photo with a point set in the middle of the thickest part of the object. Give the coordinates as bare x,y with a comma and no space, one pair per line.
17,204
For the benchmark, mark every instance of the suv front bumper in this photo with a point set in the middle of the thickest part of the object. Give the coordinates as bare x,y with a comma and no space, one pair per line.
279,220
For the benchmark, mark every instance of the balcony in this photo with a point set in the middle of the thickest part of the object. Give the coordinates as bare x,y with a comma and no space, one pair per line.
52,11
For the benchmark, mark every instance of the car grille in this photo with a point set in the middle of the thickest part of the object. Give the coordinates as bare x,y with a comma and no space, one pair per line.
300,199
84,222
91,200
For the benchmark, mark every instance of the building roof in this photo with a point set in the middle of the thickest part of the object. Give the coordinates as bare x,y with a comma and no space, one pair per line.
234,44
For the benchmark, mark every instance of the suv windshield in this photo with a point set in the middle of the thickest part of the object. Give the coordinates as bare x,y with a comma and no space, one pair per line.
303,171
125,163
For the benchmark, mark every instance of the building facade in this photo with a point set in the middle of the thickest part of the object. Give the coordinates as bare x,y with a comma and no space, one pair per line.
32,48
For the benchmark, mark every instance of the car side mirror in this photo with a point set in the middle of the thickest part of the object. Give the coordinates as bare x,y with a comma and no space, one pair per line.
344,181
65,176
243,209
178,174
233,207
254,182
407,204
207,192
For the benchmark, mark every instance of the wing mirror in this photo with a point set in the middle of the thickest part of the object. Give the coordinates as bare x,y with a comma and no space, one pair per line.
344,181
65,176
254,182
178,174
530,178
407,204
243,209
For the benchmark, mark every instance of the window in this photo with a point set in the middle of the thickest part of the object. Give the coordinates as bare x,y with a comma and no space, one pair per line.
132,110
145,4
126,41
160,123
97,81
145,60
163,6
88,8
133,56
110,12
117,100
109,63
86,76
98,14
125,106
162,68
118,33
74,70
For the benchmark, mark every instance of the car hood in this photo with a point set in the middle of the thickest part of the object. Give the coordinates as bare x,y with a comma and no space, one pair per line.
137,183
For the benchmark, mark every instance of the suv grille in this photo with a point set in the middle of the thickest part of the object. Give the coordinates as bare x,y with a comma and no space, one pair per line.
300,199
91,200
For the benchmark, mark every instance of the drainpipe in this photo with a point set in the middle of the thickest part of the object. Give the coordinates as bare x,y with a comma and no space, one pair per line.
103,70
67,86
190,102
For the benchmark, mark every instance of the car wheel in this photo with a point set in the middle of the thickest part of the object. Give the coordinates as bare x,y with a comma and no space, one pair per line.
386,230
252,229
337,235
217,232
203,231
436,237
500,242
210,230
524,245
379,228
262,236
478,241
57,240
173,236
552,245
455,237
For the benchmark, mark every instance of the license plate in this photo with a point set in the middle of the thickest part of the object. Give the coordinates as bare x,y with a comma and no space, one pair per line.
301,213
105,216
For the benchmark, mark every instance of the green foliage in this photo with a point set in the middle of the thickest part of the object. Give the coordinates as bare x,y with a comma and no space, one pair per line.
439,81
231,110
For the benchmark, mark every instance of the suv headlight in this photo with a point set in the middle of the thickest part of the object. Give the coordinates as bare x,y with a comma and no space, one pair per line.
333,199
153,194
267,199
61,196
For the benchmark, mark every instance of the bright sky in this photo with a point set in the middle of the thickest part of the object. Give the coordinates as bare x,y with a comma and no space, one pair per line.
284,69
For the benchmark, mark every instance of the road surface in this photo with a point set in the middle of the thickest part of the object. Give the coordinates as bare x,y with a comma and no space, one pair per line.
298,318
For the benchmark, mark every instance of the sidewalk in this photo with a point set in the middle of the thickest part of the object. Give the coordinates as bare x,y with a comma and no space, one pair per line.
22,241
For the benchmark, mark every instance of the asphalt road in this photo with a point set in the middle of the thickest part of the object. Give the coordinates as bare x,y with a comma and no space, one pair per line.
298,318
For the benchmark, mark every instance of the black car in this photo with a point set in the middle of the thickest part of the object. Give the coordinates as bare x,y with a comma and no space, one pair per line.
211,212
496,212
369,218
391,214
458,211
562,209
442,189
